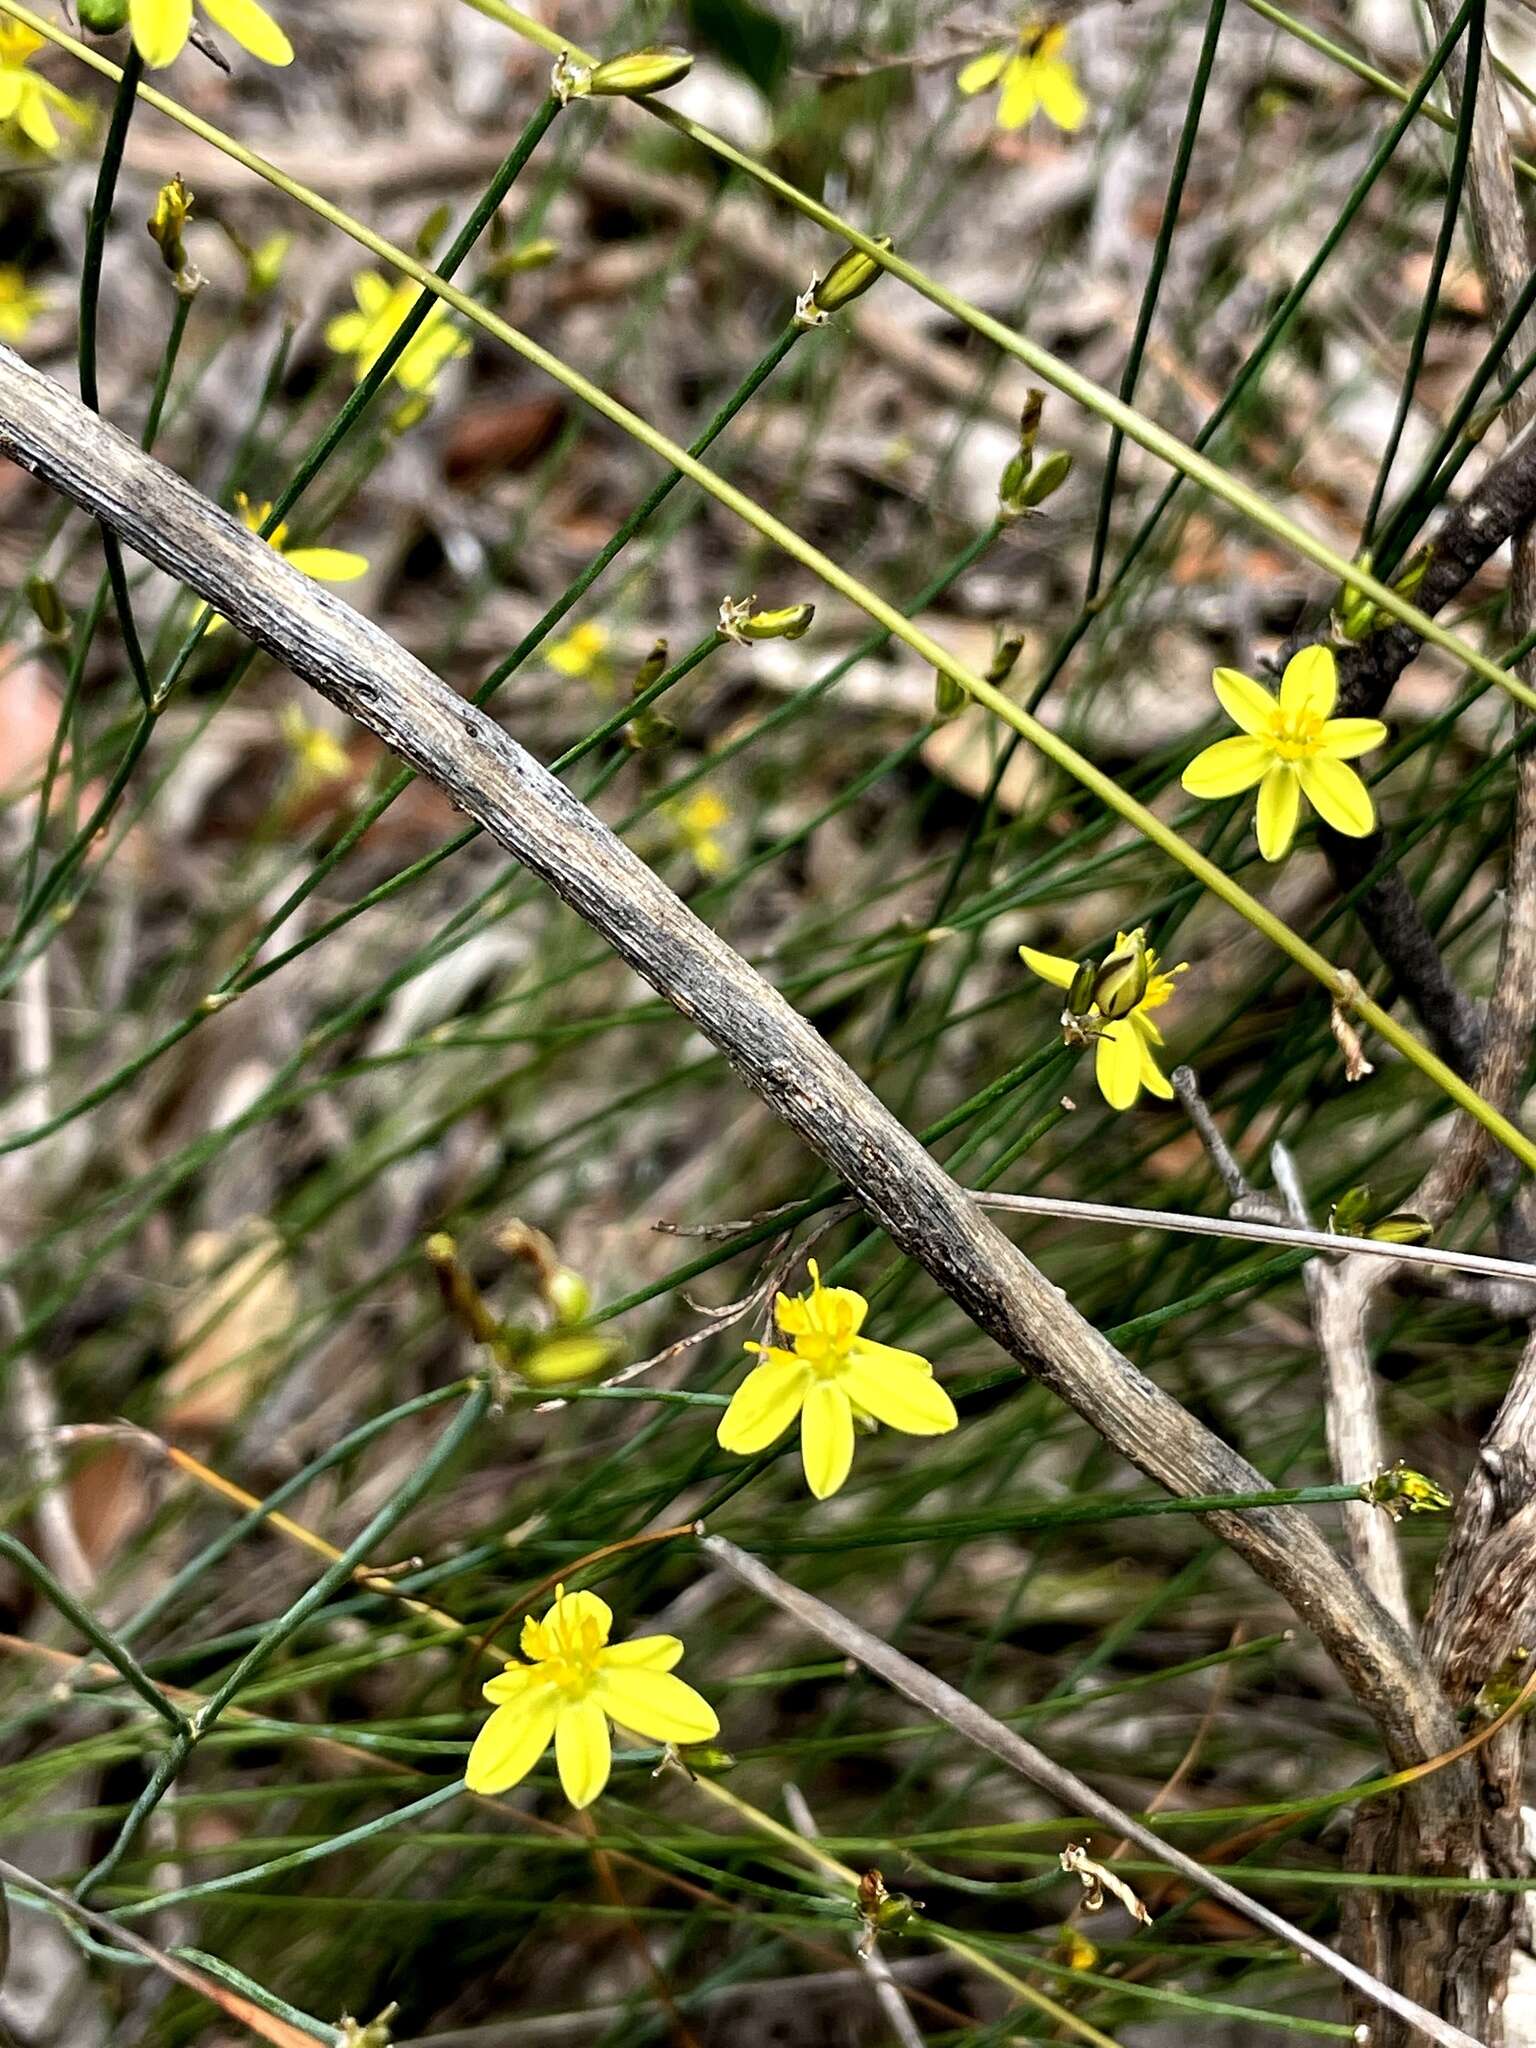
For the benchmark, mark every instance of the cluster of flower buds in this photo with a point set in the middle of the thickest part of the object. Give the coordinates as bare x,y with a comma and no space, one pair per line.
741,623
1357,1213
629,77
1355,615
1026,484
648,727
949,697
849,278
565,1350
882,1911
167,226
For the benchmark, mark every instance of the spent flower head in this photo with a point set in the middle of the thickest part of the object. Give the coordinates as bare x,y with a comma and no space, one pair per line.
161,28
1034,72
365,334
1292,748
1110,1005
574,1683
26,98
830,1376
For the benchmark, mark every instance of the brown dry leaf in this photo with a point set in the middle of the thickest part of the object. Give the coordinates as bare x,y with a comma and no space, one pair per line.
964,753
230,1327
496,439
1461,289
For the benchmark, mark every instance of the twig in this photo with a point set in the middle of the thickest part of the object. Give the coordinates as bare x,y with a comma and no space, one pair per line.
934,1696
867,1954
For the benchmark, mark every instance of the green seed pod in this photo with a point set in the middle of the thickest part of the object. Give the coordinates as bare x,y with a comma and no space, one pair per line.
103,17
1080,994
1354,613
639,72
47,606
949,699
574,1355
1047,479
1407,584
1121,982
1011,486
1402,1227
849,278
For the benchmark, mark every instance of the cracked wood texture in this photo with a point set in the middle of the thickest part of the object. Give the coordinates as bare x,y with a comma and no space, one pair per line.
774,1050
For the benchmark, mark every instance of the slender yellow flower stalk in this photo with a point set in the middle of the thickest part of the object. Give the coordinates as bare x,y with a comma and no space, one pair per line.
1292,749
574,1683
1111,1007
832,1376
161,27
1034,74
28,99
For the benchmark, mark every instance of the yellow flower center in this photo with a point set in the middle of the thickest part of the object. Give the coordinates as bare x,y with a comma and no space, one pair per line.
1297,735
569,1651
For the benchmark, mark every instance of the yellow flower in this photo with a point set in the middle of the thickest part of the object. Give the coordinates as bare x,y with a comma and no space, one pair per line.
326,565
1124,1058
19,303
1292,749
831,1376
698,819
161,27
318,756
1034,74
580,652
24,97
574,1683
365,334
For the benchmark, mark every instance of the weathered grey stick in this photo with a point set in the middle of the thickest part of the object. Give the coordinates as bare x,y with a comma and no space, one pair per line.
776,1052
961,1713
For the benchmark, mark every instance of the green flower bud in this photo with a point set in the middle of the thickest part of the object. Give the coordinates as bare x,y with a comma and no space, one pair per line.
1010,488
949,699
1006,651
1402,1227
575,1355
849,278
1080,994
173,209
1354,613
651,670
103,17
568,1294
47,606
639,72
739,622
1044,481
1121,982
1351,1212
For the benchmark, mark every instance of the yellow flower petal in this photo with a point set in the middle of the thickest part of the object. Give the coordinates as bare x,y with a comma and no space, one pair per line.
1061,98
656,1705
1152,1076
1310,685
643,1653
327,565
1117,1065
510,1744
1049,966
583,1751
1020,94
764,1405
1228,767
792,1315
1338,795
836,1312
36,122
511,1685
253,28
12,85
344,335
826,1438
1346,738
890,1355
574,1611
904,1399
160,28
372,292
1279,801
1247,703
983,71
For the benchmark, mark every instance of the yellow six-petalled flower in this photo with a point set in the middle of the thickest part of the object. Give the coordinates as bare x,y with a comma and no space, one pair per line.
1125,1055
26,97
574,1683
1035,73
1292,748
832,1376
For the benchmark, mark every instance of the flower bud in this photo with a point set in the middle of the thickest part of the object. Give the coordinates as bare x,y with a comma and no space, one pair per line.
739,622
47,606
103,17
568,1294
949,699
1080,994
1121,982
1044,481
1402,1227
173,209
638,72
559,1360
1006,651
1030,416
849,278
1354,613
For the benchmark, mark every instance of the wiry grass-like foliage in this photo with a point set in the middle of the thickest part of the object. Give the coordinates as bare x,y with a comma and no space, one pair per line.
379,1249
